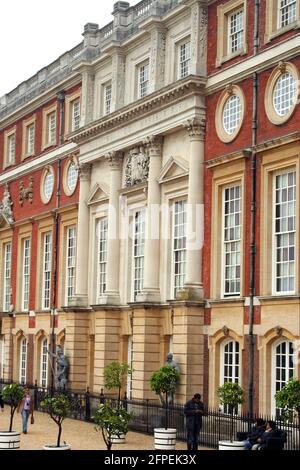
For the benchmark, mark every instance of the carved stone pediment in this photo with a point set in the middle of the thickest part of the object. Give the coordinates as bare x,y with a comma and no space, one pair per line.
6,212
136,167
175,168
98,193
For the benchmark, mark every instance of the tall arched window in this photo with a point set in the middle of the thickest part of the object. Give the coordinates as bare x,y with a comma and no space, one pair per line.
23,361
44,363
230,364
283,367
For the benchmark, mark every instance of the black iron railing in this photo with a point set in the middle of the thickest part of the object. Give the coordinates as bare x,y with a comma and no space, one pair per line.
148,415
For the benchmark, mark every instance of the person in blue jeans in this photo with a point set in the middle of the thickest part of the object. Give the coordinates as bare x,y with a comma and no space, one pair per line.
26,407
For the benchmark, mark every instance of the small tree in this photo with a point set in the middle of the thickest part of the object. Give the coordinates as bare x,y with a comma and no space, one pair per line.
112,422
57,407
13,394
115,376
232,395
288,399
164,382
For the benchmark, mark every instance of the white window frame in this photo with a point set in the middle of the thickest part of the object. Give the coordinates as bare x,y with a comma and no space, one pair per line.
7,258
234,364
101,268
143,71
138,240
30,139
280,8
274,244
174,289
224,294
238,33
11,149
107,97
51,128
274,368
240,114
47,271
70,263
26,273
23,361
187,59
75,114
44,363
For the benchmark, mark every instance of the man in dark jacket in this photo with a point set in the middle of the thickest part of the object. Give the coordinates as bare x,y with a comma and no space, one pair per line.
269,432
255,433
193,410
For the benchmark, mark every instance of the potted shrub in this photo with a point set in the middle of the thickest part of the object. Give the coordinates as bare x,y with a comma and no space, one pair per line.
113,422
231,394
163,382
58,408
115,377
12,394
288,399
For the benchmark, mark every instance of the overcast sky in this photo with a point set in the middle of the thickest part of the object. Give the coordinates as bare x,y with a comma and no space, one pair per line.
33,33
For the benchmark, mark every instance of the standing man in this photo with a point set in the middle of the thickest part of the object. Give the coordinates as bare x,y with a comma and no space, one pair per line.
193,410
26,407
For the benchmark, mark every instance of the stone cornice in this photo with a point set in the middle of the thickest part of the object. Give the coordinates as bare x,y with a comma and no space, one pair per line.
282,140
229,157
134,111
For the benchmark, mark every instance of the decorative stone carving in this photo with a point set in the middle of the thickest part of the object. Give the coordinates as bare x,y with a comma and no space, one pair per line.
196,127
136,167
225,330
6,207
278,330
114,159
26,193
157,59
84,171
203,32
153,144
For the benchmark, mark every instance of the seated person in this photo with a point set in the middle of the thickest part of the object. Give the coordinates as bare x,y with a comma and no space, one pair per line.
270,431
255,433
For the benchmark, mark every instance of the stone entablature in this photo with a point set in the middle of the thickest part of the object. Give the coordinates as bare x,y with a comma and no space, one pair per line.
126,23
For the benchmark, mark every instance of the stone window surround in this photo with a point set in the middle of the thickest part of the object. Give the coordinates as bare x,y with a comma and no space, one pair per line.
183,39
269,106
98,212
272,29
137,78
69,101
103,85
67,221
221,182
67,190
40,336
225,95
7,134
136,63
132,211
289,162
223,12
26,123
44,228
24,233
4,240
42,183
46,113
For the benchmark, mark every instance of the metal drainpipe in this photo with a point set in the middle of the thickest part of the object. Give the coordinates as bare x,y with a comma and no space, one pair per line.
253,216
61,101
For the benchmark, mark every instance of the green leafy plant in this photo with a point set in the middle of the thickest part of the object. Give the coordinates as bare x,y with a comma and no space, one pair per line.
112,422
12,394
115,376
288,399
164,381
232,395
58,408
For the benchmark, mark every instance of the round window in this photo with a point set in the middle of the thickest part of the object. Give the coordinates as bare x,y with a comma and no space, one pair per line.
232,114
48,184
72,176
284,94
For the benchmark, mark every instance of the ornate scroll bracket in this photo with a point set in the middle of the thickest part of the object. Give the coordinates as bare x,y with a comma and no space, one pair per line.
26,193
6,207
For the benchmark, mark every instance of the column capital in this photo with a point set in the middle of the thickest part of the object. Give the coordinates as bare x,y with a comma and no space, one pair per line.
196,127
153,143
84,171
115,160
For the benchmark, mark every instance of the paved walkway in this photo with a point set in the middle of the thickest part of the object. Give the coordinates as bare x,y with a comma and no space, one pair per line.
79,434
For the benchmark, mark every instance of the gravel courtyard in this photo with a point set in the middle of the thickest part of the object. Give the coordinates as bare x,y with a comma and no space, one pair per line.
79,434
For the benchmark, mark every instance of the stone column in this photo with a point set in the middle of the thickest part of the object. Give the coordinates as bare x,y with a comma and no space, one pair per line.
118,78
199,17
87,95
112,296
151,291
193,287
157,56
82,241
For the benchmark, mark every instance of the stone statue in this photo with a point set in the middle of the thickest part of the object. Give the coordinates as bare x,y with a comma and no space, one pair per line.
6,206
172,363
62,369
